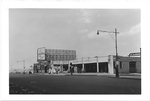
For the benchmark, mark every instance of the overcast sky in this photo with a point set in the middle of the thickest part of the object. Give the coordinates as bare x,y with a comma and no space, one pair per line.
72,29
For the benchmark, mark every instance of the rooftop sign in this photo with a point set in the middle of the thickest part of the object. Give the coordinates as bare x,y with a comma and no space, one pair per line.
135,54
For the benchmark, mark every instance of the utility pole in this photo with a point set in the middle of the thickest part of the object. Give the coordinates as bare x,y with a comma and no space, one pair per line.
116,59
117,62
140,52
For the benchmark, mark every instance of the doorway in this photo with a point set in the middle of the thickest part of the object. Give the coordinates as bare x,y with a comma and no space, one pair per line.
132,67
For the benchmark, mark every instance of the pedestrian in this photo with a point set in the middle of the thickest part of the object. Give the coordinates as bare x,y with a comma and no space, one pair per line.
75,69
49,67
52,68
71,68
49,71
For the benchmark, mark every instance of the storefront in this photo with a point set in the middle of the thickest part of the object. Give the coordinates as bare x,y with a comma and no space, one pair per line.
107,65
61,60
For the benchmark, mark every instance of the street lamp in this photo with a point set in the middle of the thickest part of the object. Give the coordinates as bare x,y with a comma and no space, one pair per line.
117,63
23,64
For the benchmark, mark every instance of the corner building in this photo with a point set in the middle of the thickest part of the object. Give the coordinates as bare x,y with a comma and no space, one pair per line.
59,58
106,64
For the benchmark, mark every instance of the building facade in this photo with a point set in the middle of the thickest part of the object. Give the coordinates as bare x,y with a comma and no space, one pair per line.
106,64
59,58
98,64
130,65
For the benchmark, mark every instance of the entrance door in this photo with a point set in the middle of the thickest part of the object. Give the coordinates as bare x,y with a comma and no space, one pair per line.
132,67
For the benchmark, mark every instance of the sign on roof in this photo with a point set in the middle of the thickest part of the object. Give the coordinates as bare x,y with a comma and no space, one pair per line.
135,54
55,54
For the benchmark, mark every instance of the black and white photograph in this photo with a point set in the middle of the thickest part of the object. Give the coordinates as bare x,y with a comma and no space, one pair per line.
74,51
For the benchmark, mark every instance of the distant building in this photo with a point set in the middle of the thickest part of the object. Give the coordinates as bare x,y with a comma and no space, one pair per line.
58,57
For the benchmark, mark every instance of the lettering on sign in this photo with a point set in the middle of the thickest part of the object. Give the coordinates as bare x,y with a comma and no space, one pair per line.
135,54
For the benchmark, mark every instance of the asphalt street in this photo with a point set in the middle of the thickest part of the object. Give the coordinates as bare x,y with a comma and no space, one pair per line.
72,84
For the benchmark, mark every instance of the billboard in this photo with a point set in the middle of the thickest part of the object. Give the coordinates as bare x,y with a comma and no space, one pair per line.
60,55
41,54
41,50
55,54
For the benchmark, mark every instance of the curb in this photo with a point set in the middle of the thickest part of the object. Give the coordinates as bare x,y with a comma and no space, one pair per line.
131,77
128,77
96,74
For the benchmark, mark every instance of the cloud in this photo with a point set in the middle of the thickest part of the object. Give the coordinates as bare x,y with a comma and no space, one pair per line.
92,35
87,20
83,30
85,16
136,29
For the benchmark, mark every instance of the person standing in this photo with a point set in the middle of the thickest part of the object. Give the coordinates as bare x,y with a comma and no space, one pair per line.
49,67
71,68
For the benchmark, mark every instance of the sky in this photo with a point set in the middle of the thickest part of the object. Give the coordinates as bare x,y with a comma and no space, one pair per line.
72,29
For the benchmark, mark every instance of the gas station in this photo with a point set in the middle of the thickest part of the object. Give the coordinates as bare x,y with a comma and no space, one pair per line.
97,64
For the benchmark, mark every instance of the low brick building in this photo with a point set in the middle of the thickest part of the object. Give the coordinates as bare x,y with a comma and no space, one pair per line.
130,65
126,64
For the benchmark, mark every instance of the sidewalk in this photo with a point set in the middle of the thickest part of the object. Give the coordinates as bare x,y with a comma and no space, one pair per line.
80,74
127,76
131,75
55,74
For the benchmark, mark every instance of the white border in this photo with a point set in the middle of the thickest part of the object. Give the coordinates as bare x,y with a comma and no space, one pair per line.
145,25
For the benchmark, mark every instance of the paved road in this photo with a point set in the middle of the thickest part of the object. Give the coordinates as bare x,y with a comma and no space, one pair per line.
76,84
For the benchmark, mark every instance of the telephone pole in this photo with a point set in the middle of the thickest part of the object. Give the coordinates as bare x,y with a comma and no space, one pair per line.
117,62
116,59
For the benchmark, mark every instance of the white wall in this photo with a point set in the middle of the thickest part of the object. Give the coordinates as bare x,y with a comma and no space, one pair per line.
110,64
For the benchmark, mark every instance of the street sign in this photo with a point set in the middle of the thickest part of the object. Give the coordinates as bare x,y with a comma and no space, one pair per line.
117,62
135,54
